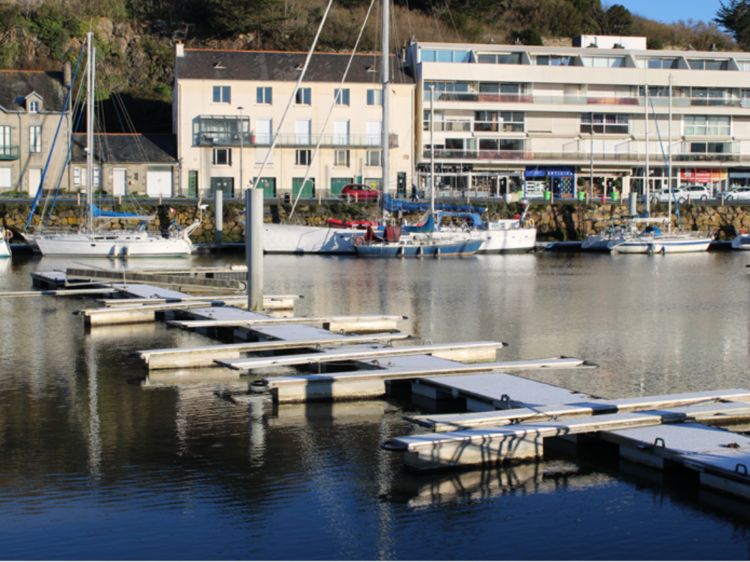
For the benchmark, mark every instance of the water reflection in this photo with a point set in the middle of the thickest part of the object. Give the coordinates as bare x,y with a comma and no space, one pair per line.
179,458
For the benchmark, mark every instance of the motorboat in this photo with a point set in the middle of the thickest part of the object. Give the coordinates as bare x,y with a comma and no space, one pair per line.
604,240
741,241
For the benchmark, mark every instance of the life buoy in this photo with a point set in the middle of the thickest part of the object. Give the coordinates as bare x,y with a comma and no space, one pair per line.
359,240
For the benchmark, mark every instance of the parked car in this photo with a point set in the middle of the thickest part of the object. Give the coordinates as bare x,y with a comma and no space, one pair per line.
736,194
359,192
685,193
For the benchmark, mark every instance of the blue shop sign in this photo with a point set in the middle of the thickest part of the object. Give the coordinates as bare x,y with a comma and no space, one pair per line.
549,172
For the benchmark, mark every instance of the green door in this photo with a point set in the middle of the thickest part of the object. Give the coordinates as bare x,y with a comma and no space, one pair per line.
268,185
224,184
307,191
192,183
337,184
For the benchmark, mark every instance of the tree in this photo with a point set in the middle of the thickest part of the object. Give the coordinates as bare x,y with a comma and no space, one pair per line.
615,20
735,18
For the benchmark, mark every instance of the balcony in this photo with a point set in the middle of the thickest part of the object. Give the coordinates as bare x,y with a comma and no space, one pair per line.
9,152
567,157
224,139
326,141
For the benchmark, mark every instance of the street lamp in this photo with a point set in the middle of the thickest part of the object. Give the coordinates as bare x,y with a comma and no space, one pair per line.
591,169
242,134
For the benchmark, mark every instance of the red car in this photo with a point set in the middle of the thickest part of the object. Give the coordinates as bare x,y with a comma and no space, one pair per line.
359,192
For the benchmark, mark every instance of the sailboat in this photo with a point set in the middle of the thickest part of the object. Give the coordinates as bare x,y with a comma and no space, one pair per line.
651,239
91,242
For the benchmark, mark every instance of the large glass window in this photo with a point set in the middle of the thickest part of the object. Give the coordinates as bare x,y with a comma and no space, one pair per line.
500,58
603,62
444,55
706,126
658,63
552,60
604,124
708,64
499,121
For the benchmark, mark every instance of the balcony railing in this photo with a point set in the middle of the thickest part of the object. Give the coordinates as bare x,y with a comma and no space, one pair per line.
251,139
565,157
9,152
658,101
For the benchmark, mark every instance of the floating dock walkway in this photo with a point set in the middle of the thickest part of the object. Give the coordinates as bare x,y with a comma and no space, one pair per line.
491,417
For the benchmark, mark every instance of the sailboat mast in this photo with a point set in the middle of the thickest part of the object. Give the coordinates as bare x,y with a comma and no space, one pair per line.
647,190
669,214
432,149
385,160
91,52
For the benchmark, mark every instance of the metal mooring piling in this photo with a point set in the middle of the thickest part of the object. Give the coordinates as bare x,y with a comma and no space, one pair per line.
254,248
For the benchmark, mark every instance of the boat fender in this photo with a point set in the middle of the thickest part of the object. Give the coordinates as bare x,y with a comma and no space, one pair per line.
530,222
419,251
9,235
437,252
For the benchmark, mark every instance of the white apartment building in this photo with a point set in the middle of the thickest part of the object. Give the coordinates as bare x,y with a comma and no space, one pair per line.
228,105
511,117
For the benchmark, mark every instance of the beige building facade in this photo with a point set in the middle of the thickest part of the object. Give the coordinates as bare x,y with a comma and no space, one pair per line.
508,118
32,104
228,105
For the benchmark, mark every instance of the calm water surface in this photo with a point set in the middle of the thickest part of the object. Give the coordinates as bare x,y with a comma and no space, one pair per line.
99,462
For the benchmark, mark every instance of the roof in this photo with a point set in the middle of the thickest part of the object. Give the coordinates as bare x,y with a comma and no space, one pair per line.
198,64
119,148
16,85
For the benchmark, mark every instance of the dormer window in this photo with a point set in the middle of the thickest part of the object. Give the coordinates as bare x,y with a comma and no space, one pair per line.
33,107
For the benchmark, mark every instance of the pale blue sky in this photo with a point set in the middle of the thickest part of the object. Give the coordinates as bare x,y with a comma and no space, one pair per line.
668,11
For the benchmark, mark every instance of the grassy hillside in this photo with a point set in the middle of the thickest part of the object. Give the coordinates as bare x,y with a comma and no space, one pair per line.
136,38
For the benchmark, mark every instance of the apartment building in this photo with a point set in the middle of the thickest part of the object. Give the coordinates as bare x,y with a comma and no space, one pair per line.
32,104
591,118
228,105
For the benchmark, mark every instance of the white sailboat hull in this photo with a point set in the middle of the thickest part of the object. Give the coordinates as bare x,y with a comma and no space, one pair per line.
502,238
121,244
301,239
662,244
4,247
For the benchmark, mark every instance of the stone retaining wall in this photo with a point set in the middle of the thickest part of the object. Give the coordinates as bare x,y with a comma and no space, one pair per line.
571,221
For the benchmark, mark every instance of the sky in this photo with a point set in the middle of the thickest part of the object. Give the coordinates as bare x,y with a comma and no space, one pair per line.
668,11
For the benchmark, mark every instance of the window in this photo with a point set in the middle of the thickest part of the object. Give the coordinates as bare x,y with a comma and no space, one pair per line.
221,130
35,139
708,147
374,97
341,158
658,63
263,131
552,60
744,65
604,124
263,95
222,94
706,126
5,148
77,177
444,55
603,62
33,107
302,157
373,158
707,64
500,58
654,91
495,121
303,96
342,96
222,157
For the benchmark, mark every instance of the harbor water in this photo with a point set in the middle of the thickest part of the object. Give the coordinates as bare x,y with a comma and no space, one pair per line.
99,461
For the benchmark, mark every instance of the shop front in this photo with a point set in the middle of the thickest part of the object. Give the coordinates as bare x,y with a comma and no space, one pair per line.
558,180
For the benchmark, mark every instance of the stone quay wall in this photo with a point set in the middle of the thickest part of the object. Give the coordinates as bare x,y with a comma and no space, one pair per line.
558,221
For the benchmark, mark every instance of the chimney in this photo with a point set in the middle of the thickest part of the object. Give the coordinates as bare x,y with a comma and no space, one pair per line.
66,74
179,49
